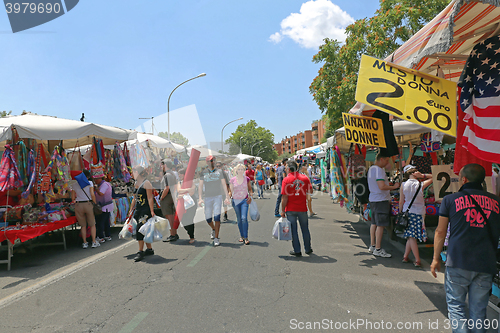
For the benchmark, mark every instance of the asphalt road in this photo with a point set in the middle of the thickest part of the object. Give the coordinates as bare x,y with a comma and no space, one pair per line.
232,288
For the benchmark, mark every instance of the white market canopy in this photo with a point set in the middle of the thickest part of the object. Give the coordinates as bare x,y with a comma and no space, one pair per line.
314,149
155,141
71,132
204,152
243,157
447,40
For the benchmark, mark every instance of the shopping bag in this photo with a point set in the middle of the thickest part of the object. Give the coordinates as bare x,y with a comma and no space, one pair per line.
276,228
148,230
126,232
269,181
285,230
161,225
254,211
188,201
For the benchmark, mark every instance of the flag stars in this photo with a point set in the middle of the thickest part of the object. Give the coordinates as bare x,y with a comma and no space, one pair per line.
468,78
465,102
489,46
481,91
489,81
471,89
485,61
480,76
494,65
497,51
473,53
497,88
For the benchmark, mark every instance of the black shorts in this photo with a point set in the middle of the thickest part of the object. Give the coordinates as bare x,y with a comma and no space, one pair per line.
167,207
381,213
138,235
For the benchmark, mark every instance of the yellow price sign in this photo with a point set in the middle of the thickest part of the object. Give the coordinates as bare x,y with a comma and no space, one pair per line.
405,93
364,130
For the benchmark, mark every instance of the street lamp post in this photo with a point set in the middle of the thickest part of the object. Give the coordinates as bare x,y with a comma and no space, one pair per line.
222,134
240,145
168,103
251,149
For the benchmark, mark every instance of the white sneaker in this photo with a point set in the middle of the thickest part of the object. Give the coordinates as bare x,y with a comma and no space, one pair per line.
381,253
371,249
96,244
85,245
100,240
212,234
107,238
216,242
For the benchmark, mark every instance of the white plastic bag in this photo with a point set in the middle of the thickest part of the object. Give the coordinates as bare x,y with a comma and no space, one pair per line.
128,229
148,230
276,228
254,211
269,181
188,201
161,225
285,230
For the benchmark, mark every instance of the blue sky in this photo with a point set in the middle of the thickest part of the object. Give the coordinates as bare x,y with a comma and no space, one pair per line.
117,61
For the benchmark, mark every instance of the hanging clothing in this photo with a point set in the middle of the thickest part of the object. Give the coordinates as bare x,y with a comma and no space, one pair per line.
390,141
9,174
480,101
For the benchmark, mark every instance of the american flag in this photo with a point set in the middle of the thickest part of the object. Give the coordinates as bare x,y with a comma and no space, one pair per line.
479,89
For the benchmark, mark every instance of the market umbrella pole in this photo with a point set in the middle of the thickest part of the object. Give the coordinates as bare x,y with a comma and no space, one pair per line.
187,183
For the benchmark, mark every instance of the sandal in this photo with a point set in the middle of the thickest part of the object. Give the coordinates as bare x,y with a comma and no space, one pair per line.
417,264
191,241
241,240
405,259
247,242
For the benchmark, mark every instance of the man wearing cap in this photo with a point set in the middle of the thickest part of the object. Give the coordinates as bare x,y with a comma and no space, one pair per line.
380,196
212,179
167,197
103,195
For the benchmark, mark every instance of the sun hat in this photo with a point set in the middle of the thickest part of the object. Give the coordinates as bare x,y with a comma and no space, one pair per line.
209,158
408,167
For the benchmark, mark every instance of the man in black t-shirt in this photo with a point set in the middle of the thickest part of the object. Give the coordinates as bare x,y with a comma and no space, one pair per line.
471,255
167,202
212,180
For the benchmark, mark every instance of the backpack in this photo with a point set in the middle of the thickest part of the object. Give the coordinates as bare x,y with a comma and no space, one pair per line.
361,190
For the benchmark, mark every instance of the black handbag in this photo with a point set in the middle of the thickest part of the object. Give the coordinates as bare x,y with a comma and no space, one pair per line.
403,218
96,207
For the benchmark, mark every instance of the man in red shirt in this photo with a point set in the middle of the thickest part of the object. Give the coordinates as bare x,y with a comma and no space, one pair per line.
250,173
294,205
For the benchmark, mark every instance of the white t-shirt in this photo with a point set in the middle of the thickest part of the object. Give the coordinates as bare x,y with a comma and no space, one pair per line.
376,173
80,195
409,188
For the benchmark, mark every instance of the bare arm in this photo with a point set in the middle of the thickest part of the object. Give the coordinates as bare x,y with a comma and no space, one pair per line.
92,194
439,238
401,199
149,192
284,202
384,187
200,192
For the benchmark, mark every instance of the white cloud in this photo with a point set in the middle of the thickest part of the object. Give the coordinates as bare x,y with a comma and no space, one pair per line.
317,20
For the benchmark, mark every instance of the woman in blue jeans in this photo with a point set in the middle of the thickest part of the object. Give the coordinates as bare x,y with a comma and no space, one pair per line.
260,179
242,196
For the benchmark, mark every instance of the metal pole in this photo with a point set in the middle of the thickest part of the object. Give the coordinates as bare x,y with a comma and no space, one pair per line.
168,103
240,145
251,149
222,134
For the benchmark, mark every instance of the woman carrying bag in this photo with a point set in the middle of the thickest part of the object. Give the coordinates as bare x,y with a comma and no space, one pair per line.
411,198
82,195
241,190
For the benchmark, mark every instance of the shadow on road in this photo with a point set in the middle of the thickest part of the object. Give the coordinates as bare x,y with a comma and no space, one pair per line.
313,259
434,292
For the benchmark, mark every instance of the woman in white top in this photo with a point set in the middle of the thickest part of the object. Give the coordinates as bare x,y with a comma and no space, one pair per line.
416,226
83,197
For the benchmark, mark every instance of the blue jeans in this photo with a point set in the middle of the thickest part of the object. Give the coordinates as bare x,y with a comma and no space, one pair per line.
241,211
460,282
213,206
278,202
304,227
261,190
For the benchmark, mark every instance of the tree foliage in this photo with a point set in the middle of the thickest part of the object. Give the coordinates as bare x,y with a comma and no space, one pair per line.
175,137
5,114
259,137
394,22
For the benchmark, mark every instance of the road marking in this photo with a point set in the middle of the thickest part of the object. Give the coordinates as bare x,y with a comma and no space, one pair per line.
129,328
199,256
61,275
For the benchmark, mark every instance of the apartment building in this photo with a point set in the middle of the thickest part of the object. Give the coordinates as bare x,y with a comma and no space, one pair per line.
302,140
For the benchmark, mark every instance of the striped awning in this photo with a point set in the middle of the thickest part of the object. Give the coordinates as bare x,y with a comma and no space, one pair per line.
447,40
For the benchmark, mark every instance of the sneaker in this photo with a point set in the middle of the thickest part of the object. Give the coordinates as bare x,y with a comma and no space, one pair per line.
296,254
149,252
225,217
216,242
371,249
212,234
277,215
381,253
85,245
100,240
310,251
140,255
108,238
96,244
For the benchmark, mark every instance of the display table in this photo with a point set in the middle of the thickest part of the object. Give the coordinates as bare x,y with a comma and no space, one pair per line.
27,232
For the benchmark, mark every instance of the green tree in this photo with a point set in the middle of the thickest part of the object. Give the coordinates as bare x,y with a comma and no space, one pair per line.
393,24
175,137
5,114
252,135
